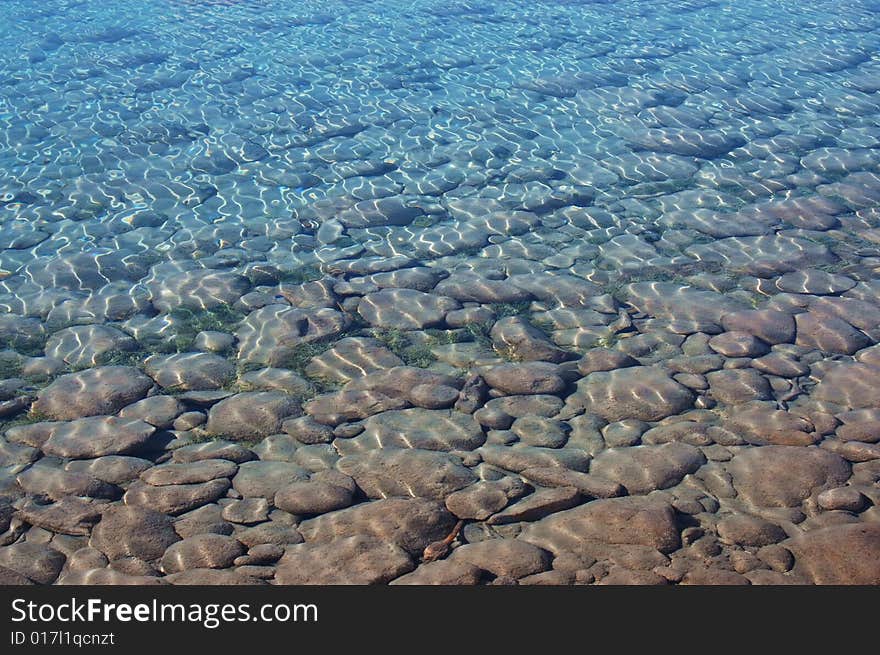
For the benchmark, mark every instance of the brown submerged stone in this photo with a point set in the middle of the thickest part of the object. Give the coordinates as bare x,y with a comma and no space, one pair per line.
840,554
784,476
638,521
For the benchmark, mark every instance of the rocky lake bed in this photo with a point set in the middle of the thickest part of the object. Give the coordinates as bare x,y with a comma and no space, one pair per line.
366,293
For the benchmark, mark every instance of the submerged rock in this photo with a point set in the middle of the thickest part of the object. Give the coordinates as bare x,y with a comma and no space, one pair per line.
70,515
406,472
271,335
251,415
634,521
204,551
410,524
97,436
45,479
102,390
643,469
197,289
313,497
131,531
405,309
189,371
37,562
784,476
175,498
416,428
526,378
88,345
504,557
349,560
343,406
639,392
840,554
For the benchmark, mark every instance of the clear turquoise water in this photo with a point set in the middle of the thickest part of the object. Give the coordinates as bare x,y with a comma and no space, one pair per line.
561,175
232,118
609,141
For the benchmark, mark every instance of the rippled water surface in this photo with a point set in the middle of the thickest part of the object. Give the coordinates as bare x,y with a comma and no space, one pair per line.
604,249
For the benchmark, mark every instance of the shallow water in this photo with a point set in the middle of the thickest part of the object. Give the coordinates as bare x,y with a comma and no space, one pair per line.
472,186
